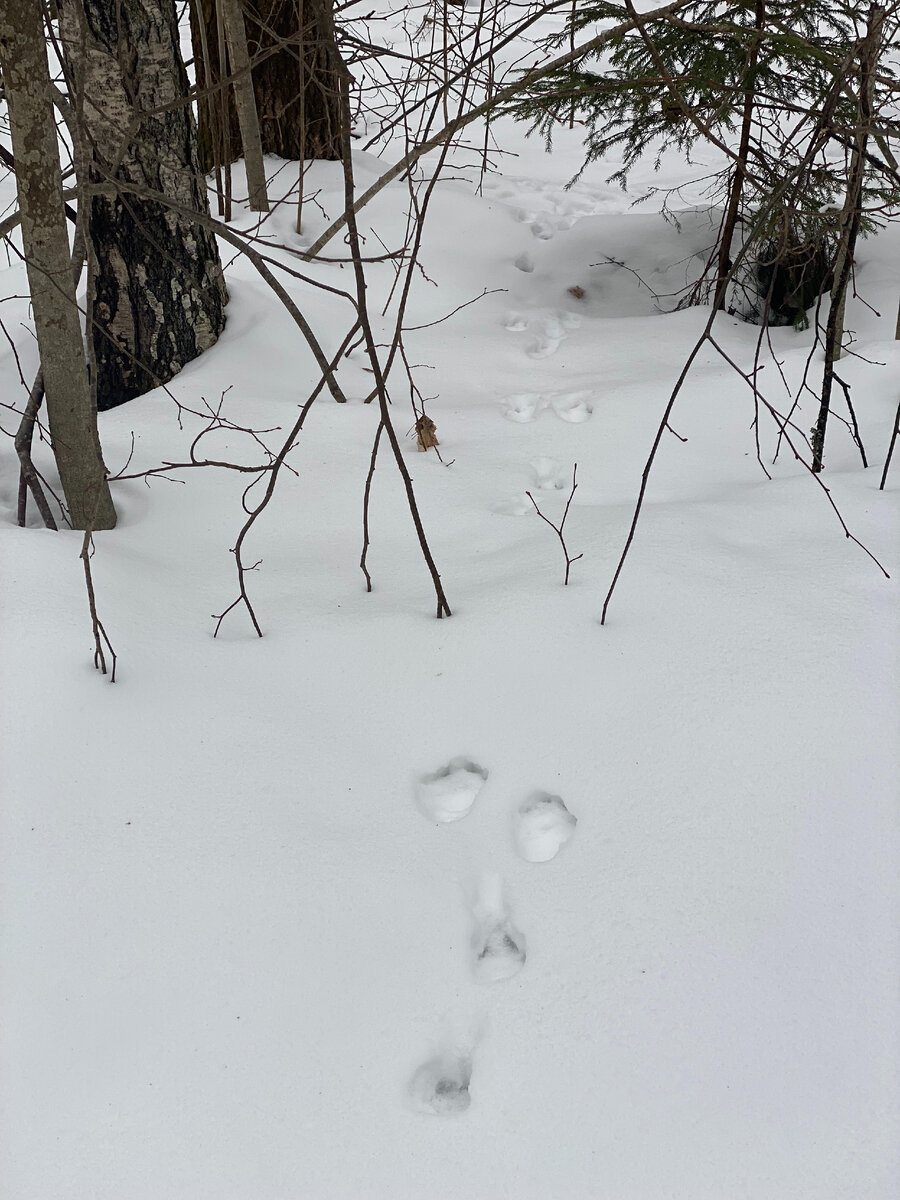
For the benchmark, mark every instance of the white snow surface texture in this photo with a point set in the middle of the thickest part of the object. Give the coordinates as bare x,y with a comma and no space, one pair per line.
238,964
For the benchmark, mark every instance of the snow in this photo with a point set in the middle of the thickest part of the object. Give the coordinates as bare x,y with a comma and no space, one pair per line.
250,949
441,1086
542,826
498,946
448,794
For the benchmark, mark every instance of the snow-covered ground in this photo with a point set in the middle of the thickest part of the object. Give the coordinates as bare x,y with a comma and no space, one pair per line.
305,917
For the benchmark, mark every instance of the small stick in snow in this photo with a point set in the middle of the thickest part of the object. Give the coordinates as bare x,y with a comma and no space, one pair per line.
100,635
366,494
890,453
558,529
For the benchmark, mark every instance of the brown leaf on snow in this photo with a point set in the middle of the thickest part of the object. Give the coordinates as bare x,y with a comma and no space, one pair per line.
425,435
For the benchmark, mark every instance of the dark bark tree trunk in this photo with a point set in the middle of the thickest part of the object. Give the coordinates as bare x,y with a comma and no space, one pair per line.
45,241
736,189
297,92
851,218
156,291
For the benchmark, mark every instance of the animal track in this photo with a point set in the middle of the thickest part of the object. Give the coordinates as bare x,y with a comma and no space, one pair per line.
542,825
549,332
515,322
498,948
544,229
548,210
448,794
548,328
574,407
522,406
441,1085
515,506
547,475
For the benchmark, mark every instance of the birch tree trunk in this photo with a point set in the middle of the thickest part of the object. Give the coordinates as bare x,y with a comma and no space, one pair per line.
156,290
71,413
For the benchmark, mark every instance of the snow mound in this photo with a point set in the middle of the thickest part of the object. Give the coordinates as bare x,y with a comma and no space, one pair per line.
541,827
448,794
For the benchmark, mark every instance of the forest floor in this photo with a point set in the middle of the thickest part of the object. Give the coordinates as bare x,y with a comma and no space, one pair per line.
246,956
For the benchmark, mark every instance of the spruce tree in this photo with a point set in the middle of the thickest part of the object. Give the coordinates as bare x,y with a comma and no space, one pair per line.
749,78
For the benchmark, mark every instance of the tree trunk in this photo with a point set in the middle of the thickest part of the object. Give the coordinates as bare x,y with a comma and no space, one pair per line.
155,284
72,417
868,60
245,102
852,214
297,100
740,167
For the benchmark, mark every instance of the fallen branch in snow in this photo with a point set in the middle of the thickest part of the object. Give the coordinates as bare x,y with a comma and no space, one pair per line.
558,529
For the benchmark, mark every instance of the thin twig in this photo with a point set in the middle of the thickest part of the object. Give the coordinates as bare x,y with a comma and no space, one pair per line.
100,636
558,529
365,547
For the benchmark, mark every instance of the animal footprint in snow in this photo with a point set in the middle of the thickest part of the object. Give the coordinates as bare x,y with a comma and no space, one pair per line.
543,347
449,793
524,263
549,333
515,506
543,229
441,1085
515,322
523,406
547,475
541,827
572,406
498,948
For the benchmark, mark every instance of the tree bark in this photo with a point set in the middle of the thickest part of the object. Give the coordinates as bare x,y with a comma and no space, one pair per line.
868,60
156,291
852,214
71,413
297,98
740,167
245,103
